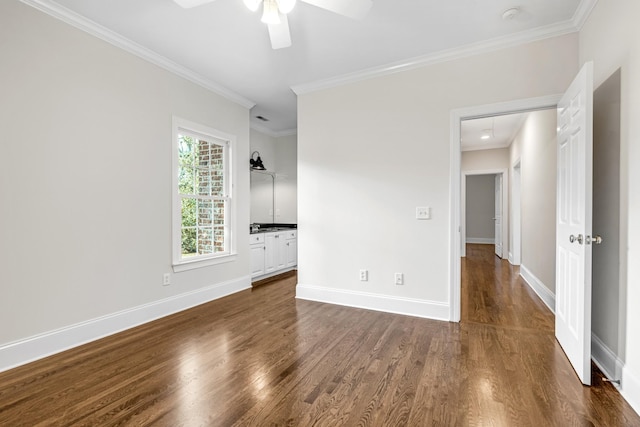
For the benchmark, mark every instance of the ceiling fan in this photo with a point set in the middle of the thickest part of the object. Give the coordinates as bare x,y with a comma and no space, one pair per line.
274,13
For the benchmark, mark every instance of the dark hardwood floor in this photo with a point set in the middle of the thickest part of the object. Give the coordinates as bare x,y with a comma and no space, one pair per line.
262,358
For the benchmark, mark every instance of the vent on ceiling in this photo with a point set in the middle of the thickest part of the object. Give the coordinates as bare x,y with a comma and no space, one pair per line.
264,119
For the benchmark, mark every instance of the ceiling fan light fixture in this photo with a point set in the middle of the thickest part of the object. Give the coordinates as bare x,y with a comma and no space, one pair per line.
270,14
252,5
286,6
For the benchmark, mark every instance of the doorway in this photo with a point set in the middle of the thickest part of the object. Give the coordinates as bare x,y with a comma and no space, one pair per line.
484,203
609,286
457,116
530,139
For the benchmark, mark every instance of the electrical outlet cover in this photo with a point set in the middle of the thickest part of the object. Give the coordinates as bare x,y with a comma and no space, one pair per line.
423,213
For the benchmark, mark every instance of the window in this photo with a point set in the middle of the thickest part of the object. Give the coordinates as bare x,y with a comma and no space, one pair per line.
202,207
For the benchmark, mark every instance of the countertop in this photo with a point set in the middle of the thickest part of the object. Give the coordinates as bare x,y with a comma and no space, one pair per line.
269,228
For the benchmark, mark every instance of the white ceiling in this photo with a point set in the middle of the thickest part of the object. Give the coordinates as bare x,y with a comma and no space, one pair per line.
501,131
224,46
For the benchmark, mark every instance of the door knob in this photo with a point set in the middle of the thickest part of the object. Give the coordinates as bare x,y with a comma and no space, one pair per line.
596,240
579,238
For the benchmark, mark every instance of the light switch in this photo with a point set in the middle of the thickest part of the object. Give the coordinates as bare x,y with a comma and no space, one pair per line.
399,279
423,213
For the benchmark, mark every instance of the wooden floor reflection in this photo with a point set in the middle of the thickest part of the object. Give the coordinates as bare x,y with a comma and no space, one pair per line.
262,358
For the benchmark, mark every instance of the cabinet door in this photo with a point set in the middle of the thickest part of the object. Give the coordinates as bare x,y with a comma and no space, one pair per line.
257,259
271,252
281,256
292,252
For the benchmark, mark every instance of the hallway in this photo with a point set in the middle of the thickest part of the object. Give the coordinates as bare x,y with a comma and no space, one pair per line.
494,294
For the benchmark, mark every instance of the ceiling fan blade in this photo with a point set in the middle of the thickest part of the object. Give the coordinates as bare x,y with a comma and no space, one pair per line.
279,33
356,9
187,4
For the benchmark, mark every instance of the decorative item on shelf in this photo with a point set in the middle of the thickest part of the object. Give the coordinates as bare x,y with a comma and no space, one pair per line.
256,164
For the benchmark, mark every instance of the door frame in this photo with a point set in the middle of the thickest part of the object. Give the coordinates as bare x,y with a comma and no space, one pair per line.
455,241
463,205
515,218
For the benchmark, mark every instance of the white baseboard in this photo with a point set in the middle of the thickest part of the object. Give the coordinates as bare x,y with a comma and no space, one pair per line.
389,304
481,240
510,258
548,297
37,347
608,362
631,389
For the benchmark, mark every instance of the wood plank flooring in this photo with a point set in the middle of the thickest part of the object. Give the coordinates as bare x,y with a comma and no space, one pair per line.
262,358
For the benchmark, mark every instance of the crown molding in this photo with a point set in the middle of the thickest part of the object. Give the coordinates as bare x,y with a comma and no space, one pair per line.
540,33
582,13
59,12
274,134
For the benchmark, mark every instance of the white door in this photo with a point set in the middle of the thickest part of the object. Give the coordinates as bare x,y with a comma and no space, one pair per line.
573,222
497,217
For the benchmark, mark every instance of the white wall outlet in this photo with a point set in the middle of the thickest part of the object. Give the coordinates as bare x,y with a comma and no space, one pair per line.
423,212
166,279
399,279
364,275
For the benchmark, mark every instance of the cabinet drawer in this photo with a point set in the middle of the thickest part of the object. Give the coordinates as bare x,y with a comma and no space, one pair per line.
292,234
256,238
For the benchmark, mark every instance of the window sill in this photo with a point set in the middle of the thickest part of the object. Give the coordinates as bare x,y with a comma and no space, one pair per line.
199,263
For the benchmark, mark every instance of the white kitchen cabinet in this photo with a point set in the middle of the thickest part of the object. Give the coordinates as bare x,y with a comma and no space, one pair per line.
291,248
272,253
276,251
257,251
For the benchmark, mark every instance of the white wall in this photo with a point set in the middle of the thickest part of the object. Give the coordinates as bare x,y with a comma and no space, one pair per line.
287,179
266,146
479,160
535,147
611,38
480,209
370,152
85,182
279,155
262,184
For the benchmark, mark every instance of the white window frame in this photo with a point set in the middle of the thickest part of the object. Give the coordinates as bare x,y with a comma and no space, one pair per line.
182,126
